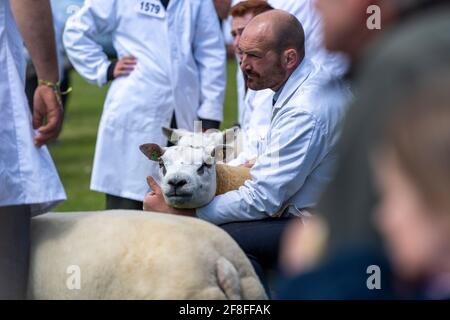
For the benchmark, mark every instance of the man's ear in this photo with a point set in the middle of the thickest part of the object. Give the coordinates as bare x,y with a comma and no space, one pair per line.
221,152
174,135
291,58
152,151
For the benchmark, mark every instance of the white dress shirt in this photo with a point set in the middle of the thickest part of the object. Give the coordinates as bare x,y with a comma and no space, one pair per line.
299,155
180,67
27,173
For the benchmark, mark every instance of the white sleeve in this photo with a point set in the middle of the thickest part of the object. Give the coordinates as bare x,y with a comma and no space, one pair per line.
210,56
87,56
291,155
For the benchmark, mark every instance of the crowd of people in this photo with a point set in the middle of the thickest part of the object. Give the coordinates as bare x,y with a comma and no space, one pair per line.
346,131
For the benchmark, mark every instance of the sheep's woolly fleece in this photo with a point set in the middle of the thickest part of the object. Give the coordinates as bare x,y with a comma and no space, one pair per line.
124,254
230,178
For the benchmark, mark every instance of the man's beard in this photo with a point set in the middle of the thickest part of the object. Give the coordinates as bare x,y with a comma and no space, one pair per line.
256,82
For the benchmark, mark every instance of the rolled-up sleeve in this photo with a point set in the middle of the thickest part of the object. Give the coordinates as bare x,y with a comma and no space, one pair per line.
210,56
86,55
293,150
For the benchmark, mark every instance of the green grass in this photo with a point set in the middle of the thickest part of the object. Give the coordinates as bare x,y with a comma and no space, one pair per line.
74,152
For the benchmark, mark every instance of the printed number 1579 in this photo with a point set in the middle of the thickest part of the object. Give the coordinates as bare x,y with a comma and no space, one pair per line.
150,7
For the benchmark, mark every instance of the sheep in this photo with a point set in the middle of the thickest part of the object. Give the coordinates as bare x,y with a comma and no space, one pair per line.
190,172
123,254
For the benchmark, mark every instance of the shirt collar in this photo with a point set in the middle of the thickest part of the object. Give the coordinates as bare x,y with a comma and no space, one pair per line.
277,94
297,78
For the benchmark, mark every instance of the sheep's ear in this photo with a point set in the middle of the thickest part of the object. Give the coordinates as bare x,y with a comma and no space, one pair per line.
152,151
221,152
230,135
174,135
168,132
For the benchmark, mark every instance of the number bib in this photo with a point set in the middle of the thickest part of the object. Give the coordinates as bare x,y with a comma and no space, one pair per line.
151,8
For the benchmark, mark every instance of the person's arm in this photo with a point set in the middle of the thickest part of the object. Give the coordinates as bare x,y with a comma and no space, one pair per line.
210,56
35,23
80,33
293,150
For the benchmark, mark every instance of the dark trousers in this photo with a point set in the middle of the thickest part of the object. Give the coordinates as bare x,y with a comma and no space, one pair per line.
14,251
260,240
114,202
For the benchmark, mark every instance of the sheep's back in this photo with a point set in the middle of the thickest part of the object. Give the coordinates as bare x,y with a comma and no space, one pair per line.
131,255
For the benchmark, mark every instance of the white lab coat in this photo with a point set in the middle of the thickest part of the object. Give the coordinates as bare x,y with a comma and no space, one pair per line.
299,153
253,109
180,66
27,174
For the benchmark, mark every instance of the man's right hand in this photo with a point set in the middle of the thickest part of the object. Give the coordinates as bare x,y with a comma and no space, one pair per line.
46,105
124,66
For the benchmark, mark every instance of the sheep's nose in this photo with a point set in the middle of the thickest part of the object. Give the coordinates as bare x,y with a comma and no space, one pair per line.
177,183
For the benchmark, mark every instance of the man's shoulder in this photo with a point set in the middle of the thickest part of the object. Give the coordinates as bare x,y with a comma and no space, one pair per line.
321,98
319,92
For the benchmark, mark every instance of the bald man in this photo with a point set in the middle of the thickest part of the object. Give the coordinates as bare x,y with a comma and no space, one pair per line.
297,158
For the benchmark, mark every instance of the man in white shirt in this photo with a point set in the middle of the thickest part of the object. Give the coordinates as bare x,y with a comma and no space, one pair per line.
29,183
170,72
298,157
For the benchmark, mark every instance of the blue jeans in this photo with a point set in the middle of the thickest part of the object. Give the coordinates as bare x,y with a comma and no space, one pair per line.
260,240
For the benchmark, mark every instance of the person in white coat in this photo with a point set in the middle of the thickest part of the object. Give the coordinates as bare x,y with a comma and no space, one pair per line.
171,70
254,124
254,107
29,183
298,157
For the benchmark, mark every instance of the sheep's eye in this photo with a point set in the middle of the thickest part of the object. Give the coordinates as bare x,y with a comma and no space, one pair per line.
201,170
162,167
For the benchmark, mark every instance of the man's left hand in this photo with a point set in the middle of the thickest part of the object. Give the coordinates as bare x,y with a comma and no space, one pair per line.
47,106
154,201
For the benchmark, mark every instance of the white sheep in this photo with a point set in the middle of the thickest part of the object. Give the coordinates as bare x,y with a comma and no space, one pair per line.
136,255
189,170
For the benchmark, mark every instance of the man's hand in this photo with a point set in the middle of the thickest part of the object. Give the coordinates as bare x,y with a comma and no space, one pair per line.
47,105
124,66
249,164
154,201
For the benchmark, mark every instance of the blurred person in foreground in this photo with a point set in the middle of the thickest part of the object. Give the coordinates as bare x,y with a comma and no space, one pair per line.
412,170
406,60
29,183
351,196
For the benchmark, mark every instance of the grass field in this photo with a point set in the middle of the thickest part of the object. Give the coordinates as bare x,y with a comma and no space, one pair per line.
74,152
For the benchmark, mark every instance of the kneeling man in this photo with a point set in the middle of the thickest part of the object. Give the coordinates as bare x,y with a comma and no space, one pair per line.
298,155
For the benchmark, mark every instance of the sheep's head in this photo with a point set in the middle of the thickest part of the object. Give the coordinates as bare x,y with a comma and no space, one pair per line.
188,173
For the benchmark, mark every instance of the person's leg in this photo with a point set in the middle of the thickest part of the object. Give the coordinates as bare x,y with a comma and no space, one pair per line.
14,251
260,240
114,202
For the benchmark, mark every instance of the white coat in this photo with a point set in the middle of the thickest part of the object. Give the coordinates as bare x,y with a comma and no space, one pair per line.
180,66
27,174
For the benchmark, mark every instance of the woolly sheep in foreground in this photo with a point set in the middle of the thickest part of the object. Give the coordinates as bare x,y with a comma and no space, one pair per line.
191,172
125,254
